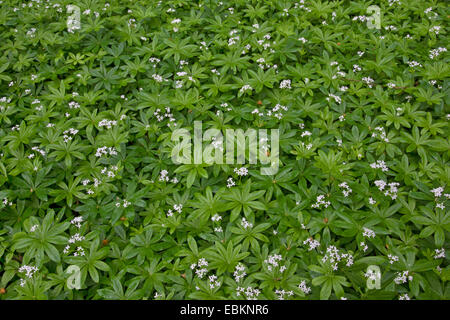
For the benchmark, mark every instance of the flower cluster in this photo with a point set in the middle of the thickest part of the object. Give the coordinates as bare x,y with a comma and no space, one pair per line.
272,263
320,202
380,164
105,151
346,189
249,292
391,192
29,272
334,257
312,243
245,224
302,286
176,207
241,171
403,277
200,265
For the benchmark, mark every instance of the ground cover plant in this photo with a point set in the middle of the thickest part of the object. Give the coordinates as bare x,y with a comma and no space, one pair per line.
93,207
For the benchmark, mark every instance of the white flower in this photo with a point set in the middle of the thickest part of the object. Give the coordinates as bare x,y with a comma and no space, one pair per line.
163,175
368,233
334,256
306,134
246,88
369,81
347,190
311,242
178,207
440,253
245,224
320,201
337,99
158,78
106,151
436,52
380,164
363,246
230,182
382,134
392,258
77,221
404,297
435,29
107,123
241,171
285,84
302,286
403,277
282,293
273,261
29,270
239,272
371,274
413,64
233,40
437,191
76,238
200,272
